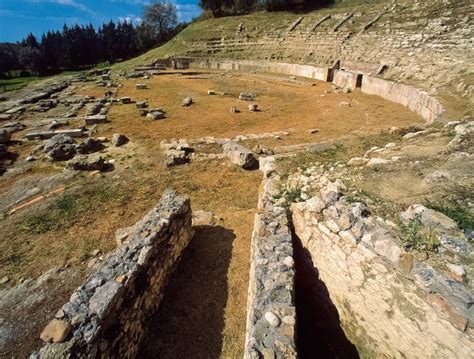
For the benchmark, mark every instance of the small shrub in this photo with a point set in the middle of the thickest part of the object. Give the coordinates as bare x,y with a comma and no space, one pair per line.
415,236
67,205
293,195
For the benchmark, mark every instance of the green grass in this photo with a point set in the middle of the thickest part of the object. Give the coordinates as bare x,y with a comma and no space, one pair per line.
16,83
59,216
64,212
457,213
214,29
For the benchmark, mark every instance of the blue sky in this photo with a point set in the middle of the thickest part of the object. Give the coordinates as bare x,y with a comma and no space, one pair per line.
20,17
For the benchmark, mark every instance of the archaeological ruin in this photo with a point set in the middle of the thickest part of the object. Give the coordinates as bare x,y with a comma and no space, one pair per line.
261,186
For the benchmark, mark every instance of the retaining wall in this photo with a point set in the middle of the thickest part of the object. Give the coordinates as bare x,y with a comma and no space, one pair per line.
107,316
416,100
271,313
390,304
309,71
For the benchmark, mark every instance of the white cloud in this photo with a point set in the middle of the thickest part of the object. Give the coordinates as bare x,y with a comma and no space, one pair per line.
130,18
71,3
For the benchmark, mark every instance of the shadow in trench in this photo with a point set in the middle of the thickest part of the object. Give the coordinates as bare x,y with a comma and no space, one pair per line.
319,332
190,320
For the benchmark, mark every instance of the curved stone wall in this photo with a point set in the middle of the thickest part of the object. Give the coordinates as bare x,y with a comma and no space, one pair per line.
309,71
416,100
107,316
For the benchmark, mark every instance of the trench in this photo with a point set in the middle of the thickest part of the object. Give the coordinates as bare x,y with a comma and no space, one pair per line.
190,320
318,328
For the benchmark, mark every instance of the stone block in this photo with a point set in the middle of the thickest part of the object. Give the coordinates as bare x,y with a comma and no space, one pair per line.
56,331
239,155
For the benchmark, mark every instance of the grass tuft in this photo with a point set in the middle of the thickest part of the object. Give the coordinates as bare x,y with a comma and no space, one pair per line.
457,213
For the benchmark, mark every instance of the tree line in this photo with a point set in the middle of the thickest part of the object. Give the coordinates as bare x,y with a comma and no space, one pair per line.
78,47
232,7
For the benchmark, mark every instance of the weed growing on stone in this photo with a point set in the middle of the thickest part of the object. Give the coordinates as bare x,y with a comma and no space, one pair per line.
293,195
415,236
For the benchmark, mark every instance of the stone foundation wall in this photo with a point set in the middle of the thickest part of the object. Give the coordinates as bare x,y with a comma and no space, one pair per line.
271,314
418,101
107,316
390,304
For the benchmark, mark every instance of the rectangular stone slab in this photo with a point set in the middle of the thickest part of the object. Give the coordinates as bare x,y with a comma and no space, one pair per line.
91,120
48,134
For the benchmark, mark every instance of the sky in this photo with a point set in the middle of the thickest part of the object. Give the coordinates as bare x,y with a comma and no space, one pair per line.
20,17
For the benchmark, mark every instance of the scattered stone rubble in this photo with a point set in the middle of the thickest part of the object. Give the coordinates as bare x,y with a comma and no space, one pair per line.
90,145
88,163
188,101
177,153
119,139
253,107
156,114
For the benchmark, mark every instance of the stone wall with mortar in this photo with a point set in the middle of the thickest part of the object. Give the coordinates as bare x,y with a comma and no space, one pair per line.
271,314
389,303
416,100
107,315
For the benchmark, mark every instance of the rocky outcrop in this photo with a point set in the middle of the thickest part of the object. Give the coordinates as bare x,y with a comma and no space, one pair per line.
109,312
85,163
60,148
90,145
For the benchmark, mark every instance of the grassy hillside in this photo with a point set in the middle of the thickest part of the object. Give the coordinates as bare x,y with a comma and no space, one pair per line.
263,23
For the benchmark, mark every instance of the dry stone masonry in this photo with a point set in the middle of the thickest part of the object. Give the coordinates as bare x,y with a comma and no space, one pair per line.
389,303
107,315
271,314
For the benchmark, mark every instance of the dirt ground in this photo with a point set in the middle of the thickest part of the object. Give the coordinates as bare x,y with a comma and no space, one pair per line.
284,106
66,228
